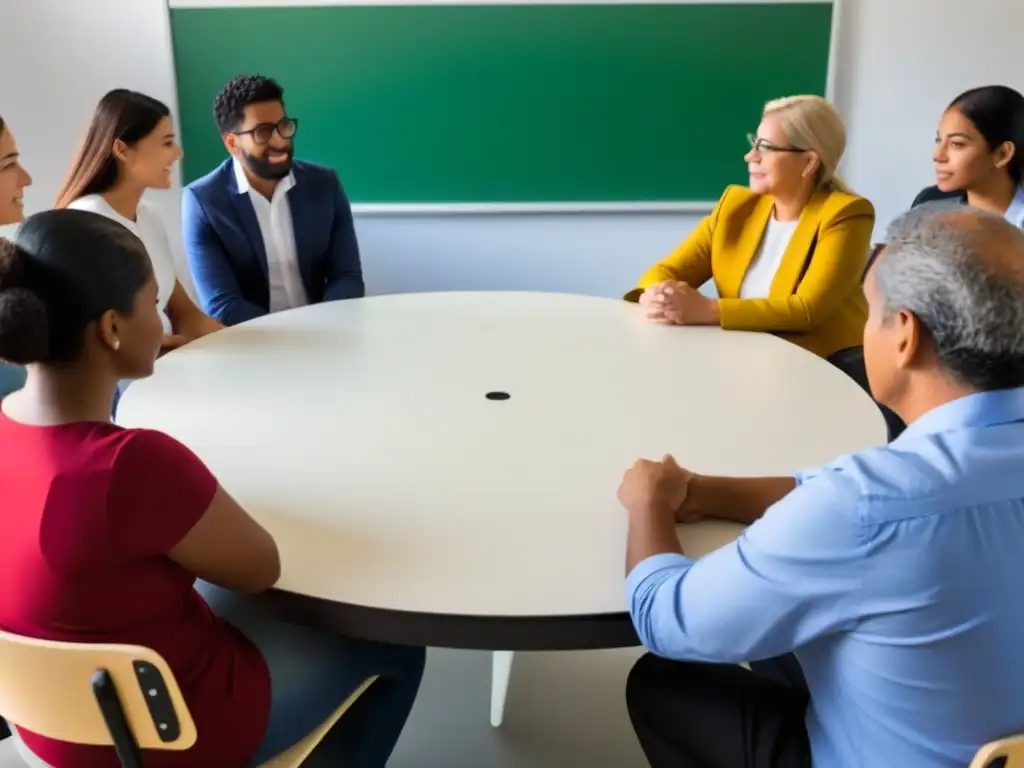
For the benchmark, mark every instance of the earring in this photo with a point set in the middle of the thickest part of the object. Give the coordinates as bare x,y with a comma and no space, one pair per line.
117,344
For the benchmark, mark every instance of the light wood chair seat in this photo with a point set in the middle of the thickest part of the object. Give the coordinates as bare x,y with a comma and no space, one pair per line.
1011,749
123,696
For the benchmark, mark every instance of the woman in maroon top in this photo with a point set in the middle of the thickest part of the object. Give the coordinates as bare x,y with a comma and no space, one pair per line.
106,529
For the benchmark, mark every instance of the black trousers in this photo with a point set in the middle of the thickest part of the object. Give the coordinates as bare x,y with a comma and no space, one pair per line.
689,715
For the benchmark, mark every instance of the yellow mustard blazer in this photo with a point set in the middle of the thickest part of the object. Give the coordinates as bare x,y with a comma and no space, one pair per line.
816,299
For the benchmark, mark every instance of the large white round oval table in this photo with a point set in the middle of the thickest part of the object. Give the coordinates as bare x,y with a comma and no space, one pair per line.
441,469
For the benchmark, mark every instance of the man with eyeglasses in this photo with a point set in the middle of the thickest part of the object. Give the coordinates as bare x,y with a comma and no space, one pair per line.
265,232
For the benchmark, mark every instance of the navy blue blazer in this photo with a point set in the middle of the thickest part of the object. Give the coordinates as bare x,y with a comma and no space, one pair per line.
225,248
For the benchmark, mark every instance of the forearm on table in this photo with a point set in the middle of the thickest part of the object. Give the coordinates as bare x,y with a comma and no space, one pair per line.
650,533
741,499
189,320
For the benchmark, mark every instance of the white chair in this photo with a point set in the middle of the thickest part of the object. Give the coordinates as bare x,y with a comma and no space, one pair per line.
123,696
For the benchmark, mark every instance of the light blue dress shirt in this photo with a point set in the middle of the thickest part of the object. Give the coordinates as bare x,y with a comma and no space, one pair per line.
896,575
1015,213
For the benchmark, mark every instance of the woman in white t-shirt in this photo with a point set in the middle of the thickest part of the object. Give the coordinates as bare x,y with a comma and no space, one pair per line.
128,148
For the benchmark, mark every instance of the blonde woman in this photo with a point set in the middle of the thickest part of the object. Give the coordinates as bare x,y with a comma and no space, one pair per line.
786,253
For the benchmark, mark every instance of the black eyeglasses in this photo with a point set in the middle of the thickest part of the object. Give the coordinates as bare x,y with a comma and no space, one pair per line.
263,132
763,146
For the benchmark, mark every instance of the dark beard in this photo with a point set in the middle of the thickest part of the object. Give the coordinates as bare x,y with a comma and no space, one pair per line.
265,169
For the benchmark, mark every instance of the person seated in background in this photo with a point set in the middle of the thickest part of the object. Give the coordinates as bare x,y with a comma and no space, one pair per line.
979,153
786,254
13,180
129,147
264,232
106,530
892,573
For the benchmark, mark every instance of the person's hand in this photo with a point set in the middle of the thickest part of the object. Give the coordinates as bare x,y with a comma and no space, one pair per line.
654,305
173,341
679,303
199,326
655,487
652,293
205,326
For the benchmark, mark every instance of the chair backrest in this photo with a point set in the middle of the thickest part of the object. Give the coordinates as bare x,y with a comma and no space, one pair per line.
73,691
851,362
12,378
1011,750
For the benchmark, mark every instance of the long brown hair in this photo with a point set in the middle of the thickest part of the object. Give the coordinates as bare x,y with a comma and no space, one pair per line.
121,114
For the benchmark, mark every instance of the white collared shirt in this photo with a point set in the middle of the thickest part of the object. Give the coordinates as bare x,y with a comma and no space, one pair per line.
278,232
1015,213
757,283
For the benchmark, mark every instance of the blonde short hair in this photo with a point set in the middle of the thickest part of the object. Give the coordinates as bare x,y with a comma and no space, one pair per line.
812,123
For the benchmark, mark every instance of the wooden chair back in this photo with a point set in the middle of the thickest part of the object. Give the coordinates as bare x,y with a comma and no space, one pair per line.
123,696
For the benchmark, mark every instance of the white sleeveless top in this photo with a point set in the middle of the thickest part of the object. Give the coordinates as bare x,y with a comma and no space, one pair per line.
150,230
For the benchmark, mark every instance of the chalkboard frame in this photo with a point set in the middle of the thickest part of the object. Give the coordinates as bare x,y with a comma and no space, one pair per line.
536,207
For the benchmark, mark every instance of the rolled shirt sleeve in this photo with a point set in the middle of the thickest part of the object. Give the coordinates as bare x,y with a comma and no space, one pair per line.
793,576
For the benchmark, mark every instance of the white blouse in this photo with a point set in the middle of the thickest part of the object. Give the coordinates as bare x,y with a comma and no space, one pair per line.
150,230
758,281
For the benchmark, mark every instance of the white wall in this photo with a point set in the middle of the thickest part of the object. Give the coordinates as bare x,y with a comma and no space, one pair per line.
58,58
900,62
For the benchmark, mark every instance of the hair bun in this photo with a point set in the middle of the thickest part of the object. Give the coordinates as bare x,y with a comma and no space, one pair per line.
12,265
24,325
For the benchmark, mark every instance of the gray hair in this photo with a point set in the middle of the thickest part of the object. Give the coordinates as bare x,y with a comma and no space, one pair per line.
960,271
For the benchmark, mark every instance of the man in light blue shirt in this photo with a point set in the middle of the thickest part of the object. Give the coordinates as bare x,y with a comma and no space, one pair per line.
893,574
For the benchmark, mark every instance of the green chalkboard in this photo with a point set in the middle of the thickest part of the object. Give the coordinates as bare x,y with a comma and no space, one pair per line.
510,103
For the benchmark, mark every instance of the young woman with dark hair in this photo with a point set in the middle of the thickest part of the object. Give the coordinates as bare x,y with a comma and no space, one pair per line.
979,152
106,530
130,147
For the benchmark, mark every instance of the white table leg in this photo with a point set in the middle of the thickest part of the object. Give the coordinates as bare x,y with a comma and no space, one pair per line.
501,671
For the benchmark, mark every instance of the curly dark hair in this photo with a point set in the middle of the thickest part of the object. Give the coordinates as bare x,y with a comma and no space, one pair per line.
243,90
